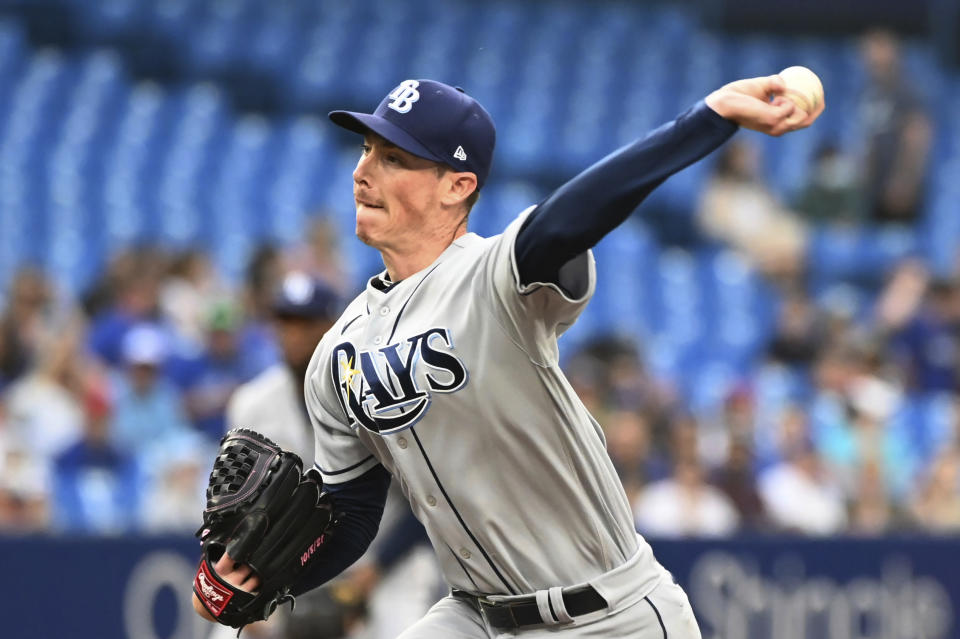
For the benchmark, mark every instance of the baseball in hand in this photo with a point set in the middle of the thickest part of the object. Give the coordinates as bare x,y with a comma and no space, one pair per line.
804,88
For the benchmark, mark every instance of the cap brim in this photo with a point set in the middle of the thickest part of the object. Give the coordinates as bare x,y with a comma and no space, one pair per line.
363,122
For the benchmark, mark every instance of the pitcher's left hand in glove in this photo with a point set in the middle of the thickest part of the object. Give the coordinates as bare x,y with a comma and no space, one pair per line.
262,512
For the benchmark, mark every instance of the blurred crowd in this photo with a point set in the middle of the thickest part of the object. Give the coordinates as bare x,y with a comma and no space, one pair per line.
111,408
823,437
111,405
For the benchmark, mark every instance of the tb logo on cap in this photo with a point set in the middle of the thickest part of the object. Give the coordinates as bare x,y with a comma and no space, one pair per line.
404,96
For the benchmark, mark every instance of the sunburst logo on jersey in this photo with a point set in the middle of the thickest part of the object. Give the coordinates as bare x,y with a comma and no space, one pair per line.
349,372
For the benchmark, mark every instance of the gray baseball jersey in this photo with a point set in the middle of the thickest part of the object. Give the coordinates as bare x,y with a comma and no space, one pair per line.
271,403
450,379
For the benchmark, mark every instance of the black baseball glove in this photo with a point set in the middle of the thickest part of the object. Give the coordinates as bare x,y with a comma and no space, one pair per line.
263,512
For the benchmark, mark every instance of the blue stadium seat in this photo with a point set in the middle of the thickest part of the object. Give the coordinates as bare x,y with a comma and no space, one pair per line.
736,308
682,317
622,258
864,255
103,21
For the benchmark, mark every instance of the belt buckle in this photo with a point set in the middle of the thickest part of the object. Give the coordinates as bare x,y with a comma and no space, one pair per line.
482,603
486,602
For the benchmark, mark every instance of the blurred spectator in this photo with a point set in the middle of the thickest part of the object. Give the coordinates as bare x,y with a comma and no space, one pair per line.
102,293
871,510
147,408
135,299
608,373
186,294
799,495
853,418
928,345
684,505
786,417
738,208
735,421
210,378
799,333
175,484
737,480
898,134
629,445
684,442
902,296
24,487
936,506
95,484
832,193
45,406
25,323
834,373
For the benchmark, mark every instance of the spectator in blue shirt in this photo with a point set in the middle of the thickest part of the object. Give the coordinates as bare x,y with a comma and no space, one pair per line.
95,483
928,346
135,303
148,410
209,379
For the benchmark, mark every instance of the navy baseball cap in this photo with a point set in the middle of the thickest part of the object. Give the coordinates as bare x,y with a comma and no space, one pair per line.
304,296
431,120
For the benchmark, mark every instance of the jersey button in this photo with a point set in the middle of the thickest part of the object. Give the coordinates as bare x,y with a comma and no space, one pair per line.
402,443
431,500
465,553
384,310
377,339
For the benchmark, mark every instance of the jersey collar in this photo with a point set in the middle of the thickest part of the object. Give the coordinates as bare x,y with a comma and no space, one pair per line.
381,284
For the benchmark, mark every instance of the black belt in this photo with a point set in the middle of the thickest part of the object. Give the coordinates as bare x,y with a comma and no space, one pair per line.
525,611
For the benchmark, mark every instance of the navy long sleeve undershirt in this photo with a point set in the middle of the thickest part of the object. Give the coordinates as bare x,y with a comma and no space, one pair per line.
578,214
359,506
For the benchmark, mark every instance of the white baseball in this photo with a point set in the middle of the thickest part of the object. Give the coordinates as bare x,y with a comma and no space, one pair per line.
803,87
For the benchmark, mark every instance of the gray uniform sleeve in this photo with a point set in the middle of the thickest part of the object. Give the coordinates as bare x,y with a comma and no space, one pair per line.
534,315
271,404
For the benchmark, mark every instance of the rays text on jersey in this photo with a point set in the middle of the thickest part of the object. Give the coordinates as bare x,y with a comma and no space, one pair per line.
389,389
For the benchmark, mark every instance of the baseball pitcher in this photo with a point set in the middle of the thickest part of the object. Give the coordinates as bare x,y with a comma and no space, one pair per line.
444,374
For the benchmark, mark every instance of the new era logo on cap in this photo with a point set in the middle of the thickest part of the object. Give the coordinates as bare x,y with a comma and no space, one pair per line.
429,119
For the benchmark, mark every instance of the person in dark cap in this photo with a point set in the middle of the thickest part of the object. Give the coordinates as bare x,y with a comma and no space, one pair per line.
303,309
